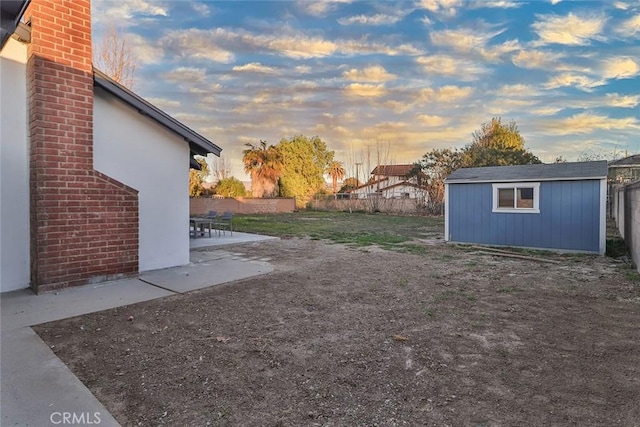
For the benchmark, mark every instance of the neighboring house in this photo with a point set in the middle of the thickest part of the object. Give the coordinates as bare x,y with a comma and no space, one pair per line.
624,171
93,179
554,207
390,182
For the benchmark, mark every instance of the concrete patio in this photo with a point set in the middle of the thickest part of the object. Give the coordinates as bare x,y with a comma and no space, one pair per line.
37,389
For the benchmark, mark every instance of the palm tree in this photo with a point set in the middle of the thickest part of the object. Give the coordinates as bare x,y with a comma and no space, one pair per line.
264,164
336,171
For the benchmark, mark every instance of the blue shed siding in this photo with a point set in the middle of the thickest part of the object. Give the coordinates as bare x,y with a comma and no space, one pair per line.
569,217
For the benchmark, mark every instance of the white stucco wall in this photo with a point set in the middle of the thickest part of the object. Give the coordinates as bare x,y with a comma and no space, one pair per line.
14,168
142,154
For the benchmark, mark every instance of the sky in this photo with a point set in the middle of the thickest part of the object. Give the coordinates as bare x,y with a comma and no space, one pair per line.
401,78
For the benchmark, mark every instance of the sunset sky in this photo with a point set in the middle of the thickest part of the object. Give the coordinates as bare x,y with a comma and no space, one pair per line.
413,75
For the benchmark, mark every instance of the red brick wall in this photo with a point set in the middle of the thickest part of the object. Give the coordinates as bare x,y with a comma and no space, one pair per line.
84,225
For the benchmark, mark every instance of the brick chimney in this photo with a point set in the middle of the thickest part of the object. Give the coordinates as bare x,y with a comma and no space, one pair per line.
84,225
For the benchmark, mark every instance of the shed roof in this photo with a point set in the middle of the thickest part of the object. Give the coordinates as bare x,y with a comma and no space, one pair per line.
541,172
197,143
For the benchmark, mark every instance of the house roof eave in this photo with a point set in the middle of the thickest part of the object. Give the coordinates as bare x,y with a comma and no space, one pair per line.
11,12
198,144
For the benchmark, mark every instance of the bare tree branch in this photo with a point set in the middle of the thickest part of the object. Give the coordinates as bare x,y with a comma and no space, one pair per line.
114,57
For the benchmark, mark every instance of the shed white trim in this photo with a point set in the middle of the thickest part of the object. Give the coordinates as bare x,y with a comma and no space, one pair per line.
446,213
603,216
515,185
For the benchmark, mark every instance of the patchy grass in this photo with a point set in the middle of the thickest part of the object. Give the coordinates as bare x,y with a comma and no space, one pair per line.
454,294
633,276
616,247
390,232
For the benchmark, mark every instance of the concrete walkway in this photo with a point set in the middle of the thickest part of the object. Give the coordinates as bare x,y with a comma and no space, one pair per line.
227,238
37,389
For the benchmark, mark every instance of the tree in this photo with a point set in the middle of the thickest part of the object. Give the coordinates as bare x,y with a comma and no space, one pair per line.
265,165
114,57
197,177
230,187
476,157
349,184
437,165
305,160
496,144
336,171
221,168
496,135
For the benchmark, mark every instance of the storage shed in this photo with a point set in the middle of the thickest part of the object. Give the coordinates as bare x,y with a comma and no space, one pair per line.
560,207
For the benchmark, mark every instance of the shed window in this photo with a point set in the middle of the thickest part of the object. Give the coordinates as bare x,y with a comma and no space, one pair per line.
516,197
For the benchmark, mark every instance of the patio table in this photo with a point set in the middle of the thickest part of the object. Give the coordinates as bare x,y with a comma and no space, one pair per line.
198,226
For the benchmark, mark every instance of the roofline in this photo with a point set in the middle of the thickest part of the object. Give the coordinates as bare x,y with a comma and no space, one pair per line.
8,32
484,181
404,183
197,143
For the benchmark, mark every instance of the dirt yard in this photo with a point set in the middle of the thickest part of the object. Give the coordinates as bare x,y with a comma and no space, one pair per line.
341,336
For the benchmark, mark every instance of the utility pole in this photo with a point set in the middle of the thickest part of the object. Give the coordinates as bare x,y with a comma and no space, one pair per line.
358,174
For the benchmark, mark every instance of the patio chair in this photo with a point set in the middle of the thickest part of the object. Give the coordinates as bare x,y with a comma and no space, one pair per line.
212,214
225,222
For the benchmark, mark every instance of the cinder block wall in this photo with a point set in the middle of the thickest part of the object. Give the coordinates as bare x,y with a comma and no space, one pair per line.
84,225
632,221
202,205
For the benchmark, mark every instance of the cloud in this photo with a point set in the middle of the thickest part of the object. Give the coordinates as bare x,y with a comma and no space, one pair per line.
517,90
185,75
465,70
532,59
218,44
377,19
123,12
630,27
365,90
145,51
319,8
201,9
195,43
571,79
221,45
621,68
570,30
446,94
463,39
621,5
588,123
432,121
374,73
546,111
494,53
622,101
364,47
254,67
497,4
444,7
